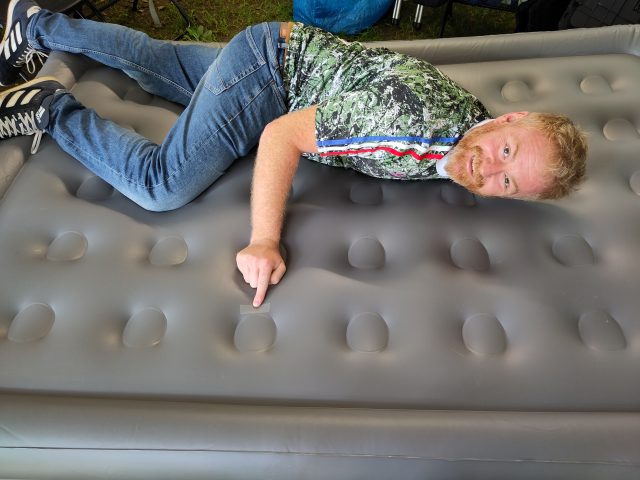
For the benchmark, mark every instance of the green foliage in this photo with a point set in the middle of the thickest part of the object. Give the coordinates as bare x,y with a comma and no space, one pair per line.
199,34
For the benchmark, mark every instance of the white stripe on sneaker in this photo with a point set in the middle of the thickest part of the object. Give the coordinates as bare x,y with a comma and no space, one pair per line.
14,99
27,98
18,33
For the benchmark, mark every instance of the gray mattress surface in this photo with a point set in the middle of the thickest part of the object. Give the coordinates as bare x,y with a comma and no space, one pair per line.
420,331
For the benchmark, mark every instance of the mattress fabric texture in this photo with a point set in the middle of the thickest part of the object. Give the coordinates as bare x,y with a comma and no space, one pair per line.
419,332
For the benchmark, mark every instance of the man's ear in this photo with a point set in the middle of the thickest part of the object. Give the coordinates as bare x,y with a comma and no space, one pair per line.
511,117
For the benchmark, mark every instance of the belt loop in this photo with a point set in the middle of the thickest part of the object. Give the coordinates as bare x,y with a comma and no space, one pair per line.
283,47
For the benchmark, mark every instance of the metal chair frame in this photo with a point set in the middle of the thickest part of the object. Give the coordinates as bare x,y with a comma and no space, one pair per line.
448,12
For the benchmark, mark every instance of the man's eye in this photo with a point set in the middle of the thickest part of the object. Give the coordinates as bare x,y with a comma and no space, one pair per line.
506,151
507,182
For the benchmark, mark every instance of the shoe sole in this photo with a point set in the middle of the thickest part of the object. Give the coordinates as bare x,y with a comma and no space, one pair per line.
27,84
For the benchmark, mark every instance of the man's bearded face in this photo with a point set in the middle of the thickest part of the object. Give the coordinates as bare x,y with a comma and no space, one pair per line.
502,158
467,150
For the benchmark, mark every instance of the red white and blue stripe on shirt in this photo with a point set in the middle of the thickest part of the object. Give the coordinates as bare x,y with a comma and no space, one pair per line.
420,148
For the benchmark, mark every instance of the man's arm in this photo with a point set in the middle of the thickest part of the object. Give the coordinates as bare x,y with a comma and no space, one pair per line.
281,144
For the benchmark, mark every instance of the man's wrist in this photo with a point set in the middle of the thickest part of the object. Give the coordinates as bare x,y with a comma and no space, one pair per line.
265,241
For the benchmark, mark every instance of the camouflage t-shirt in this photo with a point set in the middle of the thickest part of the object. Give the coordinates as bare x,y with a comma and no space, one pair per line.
379,112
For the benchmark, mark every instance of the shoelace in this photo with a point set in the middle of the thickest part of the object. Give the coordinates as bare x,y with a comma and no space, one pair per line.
37,136
21,124
28,59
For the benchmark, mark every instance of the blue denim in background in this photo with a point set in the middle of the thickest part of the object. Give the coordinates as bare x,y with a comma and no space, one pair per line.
230,95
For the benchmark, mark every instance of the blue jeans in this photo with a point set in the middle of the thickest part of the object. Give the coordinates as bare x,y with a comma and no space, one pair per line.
230,95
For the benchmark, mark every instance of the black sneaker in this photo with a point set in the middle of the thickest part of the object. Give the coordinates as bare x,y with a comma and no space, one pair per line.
24,110
14,49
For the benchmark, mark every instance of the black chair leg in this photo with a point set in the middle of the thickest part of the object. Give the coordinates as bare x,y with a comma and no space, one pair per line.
417,20
395,16
448,12
184,16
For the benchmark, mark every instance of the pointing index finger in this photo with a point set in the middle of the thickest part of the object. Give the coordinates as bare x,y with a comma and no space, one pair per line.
263,284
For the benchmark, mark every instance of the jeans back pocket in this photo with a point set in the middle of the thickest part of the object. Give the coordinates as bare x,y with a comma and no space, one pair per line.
237,60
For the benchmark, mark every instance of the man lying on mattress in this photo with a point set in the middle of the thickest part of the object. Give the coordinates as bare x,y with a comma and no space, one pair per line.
292,90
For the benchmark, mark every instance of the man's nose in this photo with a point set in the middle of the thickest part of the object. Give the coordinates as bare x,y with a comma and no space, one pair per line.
490,166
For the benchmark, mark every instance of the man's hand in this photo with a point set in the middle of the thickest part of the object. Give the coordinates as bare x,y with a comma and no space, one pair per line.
261,265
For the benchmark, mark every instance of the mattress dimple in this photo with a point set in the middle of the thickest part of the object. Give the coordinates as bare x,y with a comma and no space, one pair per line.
32,323
470,254
67,247
366,253
367,332
572,250
484,335
595,85
255,332
600,331
145,328
169,252
516,91
619,129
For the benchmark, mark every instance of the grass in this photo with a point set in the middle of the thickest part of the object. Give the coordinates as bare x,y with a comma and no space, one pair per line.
219,20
